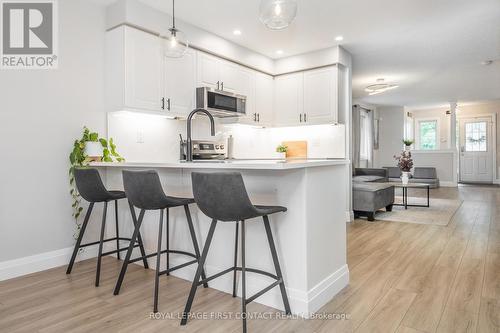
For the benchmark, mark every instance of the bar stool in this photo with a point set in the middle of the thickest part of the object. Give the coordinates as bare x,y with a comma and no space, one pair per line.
223,197
90,186
144,191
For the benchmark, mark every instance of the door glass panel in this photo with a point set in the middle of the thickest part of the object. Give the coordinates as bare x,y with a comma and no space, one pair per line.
476,136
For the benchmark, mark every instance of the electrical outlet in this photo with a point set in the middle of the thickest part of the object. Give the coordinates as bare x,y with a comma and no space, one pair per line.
140,137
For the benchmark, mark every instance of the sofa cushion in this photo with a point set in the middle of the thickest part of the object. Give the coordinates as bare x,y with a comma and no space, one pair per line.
370,187
433,183
425,173
394,172
365,179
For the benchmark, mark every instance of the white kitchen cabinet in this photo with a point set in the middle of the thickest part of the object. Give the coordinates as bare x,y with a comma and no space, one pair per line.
320,96
223,75
180,84
260,110
140,78
307,98
289,99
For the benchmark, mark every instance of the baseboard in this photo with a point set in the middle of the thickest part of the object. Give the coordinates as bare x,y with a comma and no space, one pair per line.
302,303
448,184
496,182
43,261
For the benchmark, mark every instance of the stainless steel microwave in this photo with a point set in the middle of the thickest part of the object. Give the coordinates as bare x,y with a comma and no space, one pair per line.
220,103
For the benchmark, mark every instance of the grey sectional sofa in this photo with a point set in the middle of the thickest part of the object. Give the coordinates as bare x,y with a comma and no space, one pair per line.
371,192
425,175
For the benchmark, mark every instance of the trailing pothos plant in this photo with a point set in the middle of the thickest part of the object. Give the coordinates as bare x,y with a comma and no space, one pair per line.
78,158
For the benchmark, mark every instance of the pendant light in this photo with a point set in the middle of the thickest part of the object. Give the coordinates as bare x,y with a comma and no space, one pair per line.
174,42
277,14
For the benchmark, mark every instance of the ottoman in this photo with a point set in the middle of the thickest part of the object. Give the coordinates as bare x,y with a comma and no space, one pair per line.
367,198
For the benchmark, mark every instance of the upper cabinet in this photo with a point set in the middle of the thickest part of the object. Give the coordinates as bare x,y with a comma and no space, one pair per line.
307,98
320,96
289,99
140,78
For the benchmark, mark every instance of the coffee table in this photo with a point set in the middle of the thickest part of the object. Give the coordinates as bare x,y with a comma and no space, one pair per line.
405,188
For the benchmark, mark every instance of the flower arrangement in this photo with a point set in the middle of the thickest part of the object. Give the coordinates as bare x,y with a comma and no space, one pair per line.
405,162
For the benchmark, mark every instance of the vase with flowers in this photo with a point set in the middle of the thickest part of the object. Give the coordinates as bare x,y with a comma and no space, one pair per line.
405,164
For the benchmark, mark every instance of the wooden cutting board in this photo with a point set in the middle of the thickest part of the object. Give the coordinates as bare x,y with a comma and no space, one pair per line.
296,149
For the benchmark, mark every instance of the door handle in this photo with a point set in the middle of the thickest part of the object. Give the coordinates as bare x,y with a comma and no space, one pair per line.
218,85
305,117
163,103
222,85
168,104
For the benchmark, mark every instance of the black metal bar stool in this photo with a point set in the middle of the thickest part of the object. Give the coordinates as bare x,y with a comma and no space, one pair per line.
90,186
223,197
144,191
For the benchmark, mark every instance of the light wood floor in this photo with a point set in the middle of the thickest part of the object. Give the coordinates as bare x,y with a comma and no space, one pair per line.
404,278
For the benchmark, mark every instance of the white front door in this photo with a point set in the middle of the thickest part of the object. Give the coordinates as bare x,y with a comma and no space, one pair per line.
476,150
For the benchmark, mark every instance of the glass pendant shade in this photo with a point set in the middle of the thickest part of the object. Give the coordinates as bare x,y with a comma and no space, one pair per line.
174,43
277,14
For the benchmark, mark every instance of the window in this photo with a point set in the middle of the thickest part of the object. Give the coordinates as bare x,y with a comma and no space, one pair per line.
475,136
428,134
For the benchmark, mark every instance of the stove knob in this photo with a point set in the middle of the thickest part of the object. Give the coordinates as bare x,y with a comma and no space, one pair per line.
216,147
221,146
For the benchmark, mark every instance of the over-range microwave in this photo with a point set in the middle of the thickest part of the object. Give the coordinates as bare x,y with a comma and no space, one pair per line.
220,103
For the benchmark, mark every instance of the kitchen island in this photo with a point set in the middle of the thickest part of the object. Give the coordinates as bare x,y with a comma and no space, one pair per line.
310,237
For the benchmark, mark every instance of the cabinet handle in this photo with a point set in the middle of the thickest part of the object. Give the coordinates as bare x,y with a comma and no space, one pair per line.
301,117
163,103
305,117
168,104
218,85
258,117
254,117
222,85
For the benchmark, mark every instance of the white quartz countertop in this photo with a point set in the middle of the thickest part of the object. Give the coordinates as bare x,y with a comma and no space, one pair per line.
230,164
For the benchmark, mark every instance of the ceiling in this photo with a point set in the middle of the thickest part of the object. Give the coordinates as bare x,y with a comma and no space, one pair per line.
432,49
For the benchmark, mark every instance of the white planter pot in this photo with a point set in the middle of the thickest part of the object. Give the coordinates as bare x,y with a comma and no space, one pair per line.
93,149
281,156
405,177
407,148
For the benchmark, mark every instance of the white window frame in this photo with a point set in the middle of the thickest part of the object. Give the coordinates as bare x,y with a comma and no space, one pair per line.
364,124
416,134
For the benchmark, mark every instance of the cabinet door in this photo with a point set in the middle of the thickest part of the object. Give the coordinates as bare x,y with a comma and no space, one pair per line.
289,99
320,95
264,92
180,84
143,71
208,70
230,74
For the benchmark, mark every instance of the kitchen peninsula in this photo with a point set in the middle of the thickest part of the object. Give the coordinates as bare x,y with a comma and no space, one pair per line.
310,237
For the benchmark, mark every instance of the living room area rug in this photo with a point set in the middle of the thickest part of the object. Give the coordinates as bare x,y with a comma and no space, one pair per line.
439,213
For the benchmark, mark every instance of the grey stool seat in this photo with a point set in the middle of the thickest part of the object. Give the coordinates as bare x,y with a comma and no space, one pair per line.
144,191
90,187
222,196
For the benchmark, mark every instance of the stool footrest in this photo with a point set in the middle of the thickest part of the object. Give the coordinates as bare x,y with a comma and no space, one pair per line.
162,252
263,291
104,241
116,251
178,267
251,270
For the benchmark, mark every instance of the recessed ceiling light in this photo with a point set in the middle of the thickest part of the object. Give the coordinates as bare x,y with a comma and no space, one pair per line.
279,52
339,38
237,32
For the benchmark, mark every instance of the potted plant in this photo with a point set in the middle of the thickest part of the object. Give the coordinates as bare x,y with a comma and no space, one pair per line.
405,164
281,150
407,143
85,150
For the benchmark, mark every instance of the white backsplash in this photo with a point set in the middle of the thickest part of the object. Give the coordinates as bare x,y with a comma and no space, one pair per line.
151,138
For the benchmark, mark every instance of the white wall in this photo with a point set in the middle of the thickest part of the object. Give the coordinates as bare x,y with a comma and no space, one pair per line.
41,113
391,132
